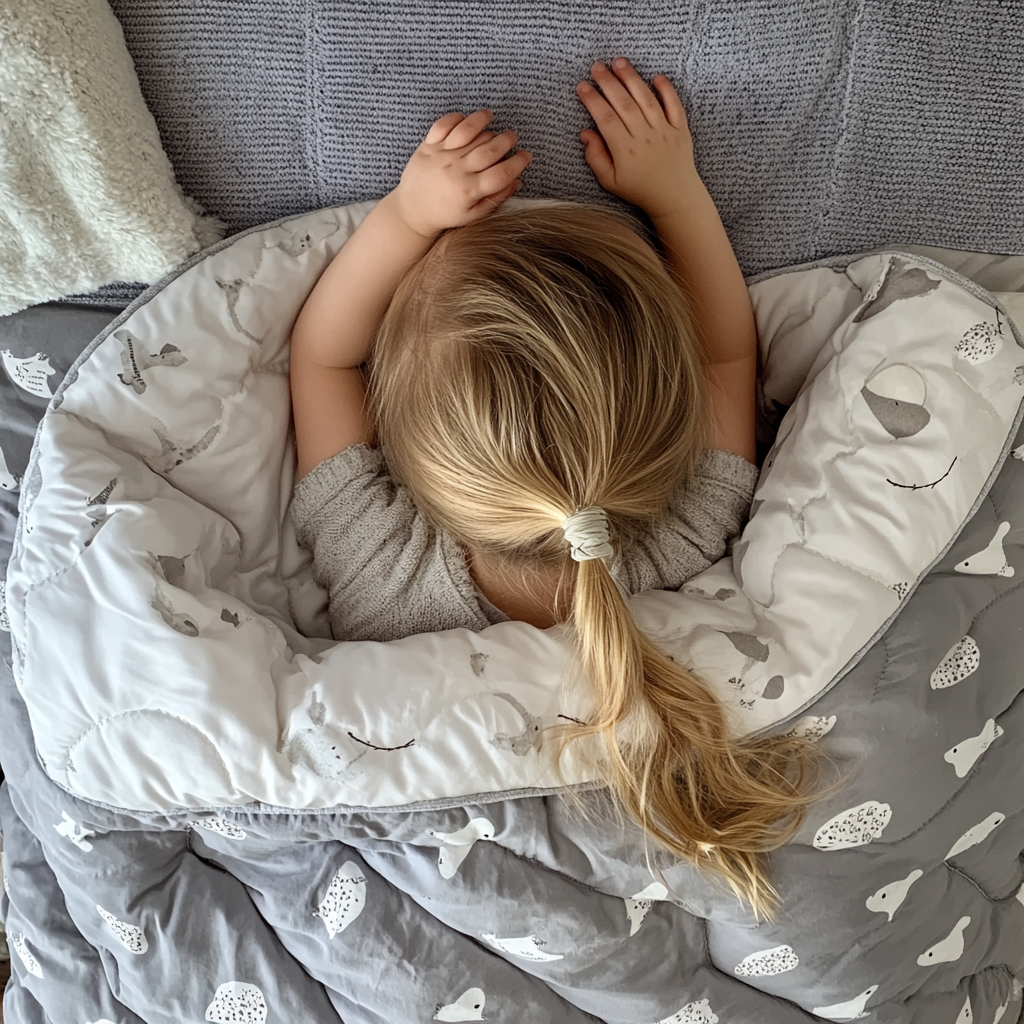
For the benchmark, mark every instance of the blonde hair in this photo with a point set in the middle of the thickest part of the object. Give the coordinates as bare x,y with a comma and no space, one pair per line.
539,361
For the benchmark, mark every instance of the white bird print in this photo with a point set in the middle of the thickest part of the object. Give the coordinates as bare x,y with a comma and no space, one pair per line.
991,560
976,834
966,752
1018,453
966,1015
469,1006
73,831
890,897
458,844
526,946
31,374
850,1010
949,949
638,905
8,481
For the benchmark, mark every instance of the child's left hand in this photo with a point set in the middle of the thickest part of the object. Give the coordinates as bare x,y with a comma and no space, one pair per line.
458,175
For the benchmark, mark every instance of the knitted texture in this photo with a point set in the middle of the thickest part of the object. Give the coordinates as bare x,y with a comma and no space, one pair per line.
820,126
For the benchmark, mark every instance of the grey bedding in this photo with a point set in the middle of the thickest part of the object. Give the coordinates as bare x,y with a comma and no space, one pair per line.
262,914
820,126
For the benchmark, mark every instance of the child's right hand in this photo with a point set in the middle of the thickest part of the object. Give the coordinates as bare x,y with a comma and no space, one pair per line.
642,150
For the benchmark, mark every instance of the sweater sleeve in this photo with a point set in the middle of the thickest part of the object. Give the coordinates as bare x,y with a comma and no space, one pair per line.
388,572
702,516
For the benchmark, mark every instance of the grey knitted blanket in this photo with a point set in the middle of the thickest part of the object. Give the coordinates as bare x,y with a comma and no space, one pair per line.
820,126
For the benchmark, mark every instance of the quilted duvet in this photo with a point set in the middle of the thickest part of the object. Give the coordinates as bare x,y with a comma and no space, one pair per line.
215,812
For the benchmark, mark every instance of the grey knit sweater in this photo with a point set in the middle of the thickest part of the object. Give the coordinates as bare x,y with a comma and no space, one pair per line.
390,574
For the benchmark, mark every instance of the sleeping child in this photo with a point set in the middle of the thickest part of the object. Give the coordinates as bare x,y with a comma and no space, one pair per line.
553,418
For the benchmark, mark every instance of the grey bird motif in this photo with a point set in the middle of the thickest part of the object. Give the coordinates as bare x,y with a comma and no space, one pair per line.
529,739
478,662
174,453
749,646
95,508
135,359
232,289
98,519
898,283
176,620
101,498
172,568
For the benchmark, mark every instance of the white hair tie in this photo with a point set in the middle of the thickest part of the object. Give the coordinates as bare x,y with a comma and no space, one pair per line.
586,531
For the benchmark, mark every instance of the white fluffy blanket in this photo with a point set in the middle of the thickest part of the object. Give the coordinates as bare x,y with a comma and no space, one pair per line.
87,194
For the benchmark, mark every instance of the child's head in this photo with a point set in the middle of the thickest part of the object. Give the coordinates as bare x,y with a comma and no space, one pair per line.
540,361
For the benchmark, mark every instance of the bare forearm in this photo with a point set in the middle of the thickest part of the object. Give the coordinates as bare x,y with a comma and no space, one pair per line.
337,324
702,260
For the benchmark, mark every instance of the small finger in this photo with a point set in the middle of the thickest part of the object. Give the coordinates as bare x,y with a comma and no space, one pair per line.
674,111
501,175
598,158
639,90
617,96
494,149
468,129
493,202
607,120
442,126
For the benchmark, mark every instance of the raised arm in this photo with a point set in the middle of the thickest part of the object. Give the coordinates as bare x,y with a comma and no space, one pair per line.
643,153
456,176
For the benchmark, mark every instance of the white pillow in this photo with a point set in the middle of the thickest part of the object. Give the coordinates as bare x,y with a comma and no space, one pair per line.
87,194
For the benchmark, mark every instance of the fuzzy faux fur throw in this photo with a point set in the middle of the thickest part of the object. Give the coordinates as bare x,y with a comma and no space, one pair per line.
87,194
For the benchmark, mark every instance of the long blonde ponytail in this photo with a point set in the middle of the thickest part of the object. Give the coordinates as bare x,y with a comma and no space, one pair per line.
538,362
715,802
